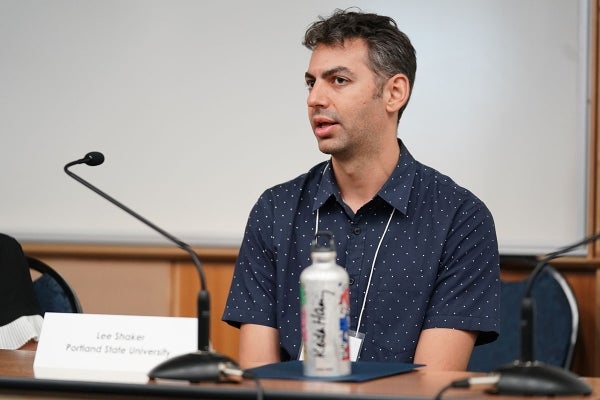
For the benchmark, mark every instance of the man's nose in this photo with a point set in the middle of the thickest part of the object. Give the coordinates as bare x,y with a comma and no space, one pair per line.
317,96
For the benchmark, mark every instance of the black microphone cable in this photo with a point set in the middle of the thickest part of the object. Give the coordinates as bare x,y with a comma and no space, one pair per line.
466,383
260,392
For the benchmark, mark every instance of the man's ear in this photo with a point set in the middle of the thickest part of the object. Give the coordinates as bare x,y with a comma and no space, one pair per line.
397,92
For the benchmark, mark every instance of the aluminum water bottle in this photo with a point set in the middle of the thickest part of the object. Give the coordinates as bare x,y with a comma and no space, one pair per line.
325,312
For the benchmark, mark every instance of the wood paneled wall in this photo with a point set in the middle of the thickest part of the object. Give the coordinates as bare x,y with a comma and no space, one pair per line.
145,280
139,280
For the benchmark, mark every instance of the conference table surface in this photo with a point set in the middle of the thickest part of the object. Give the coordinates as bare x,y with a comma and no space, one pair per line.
17,382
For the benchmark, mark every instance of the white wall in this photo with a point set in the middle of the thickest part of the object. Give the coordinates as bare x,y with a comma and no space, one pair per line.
199,106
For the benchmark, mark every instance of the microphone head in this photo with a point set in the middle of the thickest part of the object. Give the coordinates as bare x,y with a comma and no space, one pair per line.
93,158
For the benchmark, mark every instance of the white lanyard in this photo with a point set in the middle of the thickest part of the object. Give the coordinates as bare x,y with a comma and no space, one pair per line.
372,264
355,337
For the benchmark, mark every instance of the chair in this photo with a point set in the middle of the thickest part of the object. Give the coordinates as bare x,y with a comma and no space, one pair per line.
52,291
556,324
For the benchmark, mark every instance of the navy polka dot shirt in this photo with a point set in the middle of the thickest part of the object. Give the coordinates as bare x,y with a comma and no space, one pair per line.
437,266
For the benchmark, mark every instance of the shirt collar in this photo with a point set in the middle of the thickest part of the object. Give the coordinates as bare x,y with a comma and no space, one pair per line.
327,187
395,191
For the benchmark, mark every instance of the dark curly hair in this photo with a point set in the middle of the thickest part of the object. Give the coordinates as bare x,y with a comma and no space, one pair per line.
390,50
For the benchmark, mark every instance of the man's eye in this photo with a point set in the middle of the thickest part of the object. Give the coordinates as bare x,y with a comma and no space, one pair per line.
340,81
310,84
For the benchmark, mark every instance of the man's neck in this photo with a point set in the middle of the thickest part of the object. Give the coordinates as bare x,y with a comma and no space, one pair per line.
359,179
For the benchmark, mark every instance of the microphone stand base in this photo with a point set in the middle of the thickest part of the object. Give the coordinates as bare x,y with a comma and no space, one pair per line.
200,366
538,379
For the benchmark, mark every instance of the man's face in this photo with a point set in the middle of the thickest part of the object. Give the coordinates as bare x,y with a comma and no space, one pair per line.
345,109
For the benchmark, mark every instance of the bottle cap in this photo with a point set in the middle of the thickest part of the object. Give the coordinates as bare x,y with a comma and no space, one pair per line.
323,242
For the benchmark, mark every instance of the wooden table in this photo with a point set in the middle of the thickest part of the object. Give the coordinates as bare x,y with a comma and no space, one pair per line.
17,381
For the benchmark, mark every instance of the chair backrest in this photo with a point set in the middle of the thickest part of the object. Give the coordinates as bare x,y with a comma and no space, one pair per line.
556,324
52,291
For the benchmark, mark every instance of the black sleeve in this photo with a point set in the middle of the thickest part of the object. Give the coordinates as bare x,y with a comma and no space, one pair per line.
17,297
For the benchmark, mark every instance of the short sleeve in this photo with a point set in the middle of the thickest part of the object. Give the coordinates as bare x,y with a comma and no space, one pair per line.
466,295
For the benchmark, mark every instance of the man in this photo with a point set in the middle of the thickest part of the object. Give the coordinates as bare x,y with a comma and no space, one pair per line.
420,251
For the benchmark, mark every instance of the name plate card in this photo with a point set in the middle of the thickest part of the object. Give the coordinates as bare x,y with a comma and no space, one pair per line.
114,348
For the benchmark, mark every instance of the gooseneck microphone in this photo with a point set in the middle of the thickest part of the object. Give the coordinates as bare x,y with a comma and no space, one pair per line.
527,306
528,377
203,365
